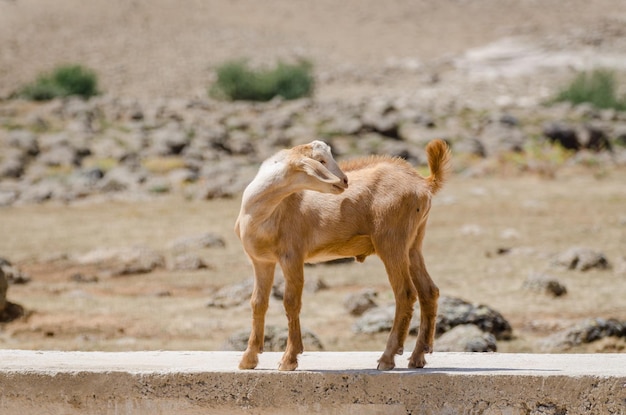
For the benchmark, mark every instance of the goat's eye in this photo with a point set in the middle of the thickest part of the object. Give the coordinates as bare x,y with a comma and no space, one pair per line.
323,162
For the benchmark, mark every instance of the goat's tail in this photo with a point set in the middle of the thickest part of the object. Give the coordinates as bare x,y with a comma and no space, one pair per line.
439,163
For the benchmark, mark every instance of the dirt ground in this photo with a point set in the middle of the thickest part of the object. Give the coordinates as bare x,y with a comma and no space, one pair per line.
170,48
470,221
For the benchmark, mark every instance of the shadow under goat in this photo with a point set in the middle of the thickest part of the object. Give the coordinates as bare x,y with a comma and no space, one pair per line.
304,207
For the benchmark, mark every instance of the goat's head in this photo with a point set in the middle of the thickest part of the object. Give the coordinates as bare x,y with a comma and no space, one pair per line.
321,172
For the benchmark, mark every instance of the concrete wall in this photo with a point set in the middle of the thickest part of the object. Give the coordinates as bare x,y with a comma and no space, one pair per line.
35,382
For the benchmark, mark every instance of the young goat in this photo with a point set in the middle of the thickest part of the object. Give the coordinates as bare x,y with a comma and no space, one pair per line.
303,207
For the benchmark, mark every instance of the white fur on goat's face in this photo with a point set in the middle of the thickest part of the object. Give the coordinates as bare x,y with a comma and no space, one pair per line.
322,173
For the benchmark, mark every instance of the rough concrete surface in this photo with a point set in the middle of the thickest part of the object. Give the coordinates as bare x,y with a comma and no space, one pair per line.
47,382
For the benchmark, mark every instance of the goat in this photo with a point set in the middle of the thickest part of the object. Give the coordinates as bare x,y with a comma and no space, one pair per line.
304,207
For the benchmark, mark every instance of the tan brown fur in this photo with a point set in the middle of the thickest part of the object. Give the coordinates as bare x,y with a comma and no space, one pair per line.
382,211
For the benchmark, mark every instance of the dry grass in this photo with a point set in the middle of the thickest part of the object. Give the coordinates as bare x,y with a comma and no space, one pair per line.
470,221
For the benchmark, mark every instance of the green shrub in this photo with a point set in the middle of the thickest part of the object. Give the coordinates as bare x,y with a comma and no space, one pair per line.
236,81
64,81
597,88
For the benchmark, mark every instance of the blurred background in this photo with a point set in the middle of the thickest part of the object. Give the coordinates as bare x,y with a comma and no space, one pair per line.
128,130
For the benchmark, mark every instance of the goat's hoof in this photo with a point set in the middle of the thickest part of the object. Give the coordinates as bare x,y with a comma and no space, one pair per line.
417,363
248,362
246,366
382,365
287,366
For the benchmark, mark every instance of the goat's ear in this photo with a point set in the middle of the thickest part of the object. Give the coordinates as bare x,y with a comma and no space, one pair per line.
316,169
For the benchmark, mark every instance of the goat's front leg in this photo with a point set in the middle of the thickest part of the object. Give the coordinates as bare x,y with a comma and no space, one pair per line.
263,281
428,294
292,300
405,296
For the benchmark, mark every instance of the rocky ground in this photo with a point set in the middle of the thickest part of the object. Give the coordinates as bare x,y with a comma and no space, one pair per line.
118,206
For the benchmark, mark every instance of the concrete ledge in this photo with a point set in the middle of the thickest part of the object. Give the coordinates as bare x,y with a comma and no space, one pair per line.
36,382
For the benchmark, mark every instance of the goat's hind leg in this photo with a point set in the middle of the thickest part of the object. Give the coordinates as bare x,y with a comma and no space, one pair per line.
263,281
428,294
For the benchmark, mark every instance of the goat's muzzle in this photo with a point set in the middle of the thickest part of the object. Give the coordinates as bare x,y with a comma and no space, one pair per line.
341,185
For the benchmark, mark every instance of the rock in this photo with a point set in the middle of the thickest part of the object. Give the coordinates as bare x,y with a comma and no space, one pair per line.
182,176
472,146
582,259
8,311
452,312
595,138
12,163
119,179
61,155
205,240
169,140
12,273
378,319
187,262
403,150
275,340
8,197
4,286
498,138
23,140
83,279
544,284
343,124
562,134
381,117
358,303
232,295
586,331
41,191
138,260
219,180
123,261
466,338
548,409
311,285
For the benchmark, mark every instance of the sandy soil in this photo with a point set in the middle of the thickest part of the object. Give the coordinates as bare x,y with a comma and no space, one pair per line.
169,48
470,221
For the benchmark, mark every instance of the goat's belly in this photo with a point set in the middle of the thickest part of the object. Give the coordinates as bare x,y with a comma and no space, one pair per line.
359,246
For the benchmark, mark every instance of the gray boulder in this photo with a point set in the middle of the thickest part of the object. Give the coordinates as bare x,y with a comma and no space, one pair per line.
187,262
452,312
169,140
311,285
4,286
232,295
360,302
61,155
123,261
8,197
581,259
498,137
12,273
562,134
12,163
466,338
23,140
275,340
8,311
544,284
119,179
204,240
586,331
